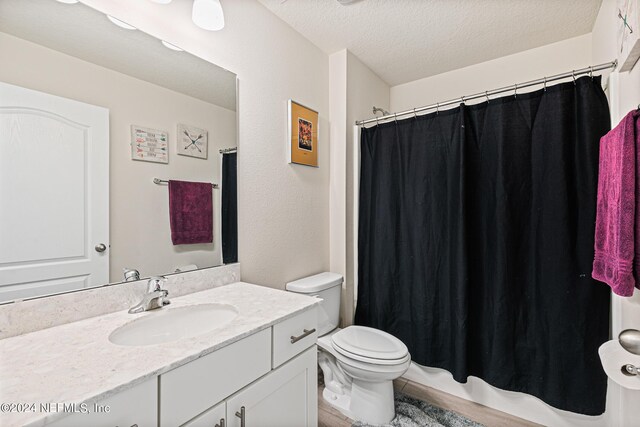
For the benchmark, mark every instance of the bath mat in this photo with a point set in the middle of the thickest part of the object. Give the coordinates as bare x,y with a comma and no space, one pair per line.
412,412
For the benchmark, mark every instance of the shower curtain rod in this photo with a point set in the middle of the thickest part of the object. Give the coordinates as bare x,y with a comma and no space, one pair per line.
574,73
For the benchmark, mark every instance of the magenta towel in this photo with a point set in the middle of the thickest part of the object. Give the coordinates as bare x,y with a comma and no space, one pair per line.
617,239
190,212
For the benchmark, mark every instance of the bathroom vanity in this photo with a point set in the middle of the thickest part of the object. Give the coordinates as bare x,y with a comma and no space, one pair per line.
257,369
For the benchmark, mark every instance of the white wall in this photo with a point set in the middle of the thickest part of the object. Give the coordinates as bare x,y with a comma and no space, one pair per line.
520,67
354,89
139,215
527,65
624,94
283,209
337,187
364,90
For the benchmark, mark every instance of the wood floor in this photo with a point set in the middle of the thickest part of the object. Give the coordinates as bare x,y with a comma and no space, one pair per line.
330,417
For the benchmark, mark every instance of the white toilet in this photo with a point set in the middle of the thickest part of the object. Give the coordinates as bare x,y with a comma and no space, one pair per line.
359,363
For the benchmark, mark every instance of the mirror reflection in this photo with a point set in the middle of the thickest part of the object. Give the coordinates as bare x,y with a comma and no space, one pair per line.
128,172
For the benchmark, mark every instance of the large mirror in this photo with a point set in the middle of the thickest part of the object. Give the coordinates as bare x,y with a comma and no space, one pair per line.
117,153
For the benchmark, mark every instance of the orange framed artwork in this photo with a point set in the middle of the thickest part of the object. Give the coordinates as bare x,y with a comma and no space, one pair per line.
302,144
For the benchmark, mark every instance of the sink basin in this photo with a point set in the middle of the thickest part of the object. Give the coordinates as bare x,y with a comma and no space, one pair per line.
170,324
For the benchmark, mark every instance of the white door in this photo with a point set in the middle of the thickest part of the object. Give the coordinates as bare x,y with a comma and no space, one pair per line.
286,397
54,194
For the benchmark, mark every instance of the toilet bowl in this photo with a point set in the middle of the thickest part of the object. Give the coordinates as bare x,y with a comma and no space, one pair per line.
359,363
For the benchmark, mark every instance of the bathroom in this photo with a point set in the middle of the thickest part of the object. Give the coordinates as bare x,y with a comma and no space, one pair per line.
113,312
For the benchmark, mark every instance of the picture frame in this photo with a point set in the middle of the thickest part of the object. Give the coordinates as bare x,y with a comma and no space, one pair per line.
303,134
192,141
628,38
149,145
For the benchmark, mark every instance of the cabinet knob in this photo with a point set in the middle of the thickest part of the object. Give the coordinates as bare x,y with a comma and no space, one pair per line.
241,415
222,424
305,333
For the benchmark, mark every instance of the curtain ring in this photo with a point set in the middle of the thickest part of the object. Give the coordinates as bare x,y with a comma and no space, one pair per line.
395,117
591,72
573,75
414,114
463,100
437,108
515,91
377,122
486,94
545,83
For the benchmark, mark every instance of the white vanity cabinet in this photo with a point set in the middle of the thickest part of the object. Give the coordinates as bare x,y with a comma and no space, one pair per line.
259,387
266,379
214,417
137,406
286,397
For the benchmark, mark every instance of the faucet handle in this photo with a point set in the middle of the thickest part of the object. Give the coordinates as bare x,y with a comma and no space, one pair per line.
155,283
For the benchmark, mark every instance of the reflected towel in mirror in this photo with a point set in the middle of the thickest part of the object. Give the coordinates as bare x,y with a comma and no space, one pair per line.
190,212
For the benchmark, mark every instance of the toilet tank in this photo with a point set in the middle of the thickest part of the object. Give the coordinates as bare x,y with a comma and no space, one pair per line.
328,287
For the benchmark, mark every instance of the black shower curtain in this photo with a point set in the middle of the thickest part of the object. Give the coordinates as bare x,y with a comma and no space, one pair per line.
229,208
476,241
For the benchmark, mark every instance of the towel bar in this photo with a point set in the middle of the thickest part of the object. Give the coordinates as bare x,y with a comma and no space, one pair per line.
164,181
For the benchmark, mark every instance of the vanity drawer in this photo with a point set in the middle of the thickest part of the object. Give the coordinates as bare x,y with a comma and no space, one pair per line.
193,388
297,329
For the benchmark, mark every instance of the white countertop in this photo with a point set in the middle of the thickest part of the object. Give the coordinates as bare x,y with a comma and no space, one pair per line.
76,362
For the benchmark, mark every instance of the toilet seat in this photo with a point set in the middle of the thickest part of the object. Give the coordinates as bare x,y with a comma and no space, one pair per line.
397,368
370,360
370,345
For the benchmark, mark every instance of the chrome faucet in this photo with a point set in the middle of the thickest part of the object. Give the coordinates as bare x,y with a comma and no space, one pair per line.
156,297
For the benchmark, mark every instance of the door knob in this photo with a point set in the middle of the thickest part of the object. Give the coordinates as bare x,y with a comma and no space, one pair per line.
101,247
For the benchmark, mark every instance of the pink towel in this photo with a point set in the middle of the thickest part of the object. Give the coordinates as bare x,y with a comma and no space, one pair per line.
617,239
190,212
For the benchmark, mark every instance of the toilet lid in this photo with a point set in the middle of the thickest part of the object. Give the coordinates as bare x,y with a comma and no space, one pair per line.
370,343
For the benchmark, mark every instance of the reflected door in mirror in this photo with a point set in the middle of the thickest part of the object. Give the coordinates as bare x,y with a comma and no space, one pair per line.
54,194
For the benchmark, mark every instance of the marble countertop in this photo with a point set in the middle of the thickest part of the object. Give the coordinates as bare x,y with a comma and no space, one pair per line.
76,362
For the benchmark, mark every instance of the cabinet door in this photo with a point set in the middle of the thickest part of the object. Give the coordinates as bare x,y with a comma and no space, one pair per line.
214,417
286,397
137,406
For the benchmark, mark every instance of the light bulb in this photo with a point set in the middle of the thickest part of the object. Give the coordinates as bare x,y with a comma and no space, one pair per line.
208,15
171,46
120,23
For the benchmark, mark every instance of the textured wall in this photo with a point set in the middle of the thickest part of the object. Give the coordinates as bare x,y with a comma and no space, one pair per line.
624,95
364,90
528,65
283,209
354,89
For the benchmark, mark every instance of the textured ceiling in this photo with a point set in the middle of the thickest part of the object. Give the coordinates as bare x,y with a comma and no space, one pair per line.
405,40
80,31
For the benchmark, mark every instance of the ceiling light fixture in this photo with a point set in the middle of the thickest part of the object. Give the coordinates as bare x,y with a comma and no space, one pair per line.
120,23
171,46
208,15
68,1
161,1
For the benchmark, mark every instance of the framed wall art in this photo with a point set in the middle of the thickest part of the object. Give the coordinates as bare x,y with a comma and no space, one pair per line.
192,141
149,145
302,142
628,33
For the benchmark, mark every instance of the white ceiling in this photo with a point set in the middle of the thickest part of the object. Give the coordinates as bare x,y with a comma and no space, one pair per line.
405,40
85,33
